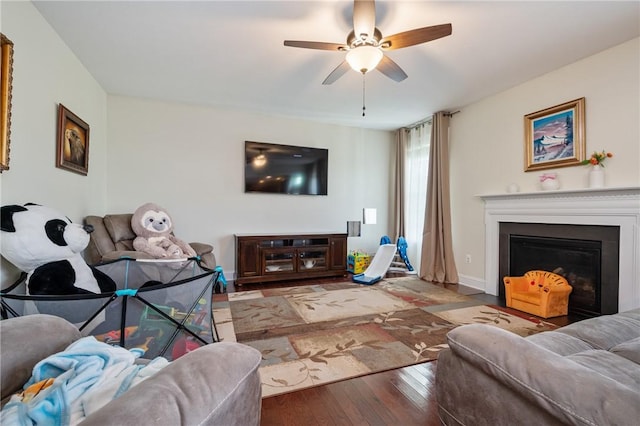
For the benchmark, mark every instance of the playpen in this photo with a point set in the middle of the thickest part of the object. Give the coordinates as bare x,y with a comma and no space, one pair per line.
162,307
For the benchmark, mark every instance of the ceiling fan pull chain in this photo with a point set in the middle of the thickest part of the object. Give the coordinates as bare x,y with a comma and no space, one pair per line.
363,107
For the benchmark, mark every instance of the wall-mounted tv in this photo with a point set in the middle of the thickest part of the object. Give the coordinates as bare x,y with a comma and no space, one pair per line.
285,169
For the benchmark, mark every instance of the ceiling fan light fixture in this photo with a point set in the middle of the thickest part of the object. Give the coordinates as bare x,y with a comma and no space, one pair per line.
365,44
364,58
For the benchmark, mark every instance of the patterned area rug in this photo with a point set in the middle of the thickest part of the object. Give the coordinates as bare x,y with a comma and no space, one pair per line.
317,334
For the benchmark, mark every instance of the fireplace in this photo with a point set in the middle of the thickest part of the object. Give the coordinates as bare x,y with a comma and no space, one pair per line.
603,207
586,255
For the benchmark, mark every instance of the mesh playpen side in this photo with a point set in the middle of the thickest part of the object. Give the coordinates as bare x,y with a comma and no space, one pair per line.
162,307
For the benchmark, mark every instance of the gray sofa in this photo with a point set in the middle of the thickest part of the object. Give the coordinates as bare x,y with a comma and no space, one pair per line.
586,373
217,384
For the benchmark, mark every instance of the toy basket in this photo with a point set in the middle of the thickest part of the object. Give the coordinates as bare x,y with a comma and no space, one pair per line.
161,307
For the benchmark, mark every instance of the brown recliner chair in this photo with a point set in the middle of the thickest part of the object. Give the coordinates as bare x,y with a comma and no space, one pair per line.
112,238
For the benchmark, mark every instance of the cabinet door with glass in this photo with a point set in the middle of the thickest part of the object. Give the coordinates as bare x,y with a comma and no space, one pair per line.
312,259
277,261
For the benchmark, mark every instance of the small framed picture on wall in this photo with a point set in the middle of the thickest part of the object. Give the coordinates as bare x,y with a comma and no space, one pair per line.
555,137
73,142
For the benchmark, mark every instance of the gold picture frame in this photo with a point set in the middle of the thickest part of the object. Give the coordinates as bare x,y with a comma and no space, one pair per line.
72,151
6,85
555,137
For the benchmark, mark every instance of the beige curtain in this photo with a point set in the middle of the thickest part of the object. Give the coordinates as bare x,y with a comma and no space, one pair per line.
437,263
397,213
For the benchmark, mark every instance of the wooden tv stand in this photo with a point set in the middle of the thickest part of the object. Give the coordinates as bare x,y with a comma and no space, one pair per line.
266,257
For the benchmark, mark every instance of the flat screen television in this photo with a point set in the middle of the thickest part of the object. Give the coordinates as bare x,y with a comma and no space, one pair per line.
285,169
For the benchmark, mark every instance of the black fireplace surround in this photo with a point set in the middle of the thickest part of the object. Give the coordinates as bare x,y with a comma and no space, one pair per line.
586,255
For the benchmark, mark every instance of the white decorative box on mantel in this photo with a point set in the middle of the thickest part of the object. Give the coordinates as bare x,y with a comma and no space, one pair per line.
601,206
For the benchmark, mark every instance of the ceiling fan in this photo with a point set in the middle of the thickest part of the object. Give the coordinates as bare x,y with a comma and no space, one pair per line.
365,44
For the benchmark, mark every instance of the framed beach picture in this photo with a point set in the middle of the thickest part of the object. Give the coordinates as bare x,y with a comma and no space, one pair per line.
555,137
73,142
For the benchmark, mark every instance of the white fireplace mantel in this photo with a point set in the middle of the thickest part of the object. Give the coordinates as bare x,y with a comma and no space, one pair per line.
605,206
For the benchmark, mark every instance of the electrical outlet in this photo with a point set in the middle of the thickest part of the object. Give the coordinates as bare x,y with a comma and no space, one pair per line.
467,258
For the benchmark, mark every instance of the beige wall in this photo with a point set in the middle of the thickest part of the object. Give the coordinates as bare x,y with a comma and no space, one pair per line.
190,160
46,73
487,140
187,158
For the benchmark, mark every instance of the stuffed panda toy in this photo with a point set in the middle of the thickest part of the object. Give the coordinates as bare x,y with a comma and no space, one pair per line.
46,245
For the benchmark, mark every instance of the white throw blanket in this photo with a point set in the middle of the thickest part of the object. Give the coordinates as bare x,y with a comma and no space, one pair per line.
86,376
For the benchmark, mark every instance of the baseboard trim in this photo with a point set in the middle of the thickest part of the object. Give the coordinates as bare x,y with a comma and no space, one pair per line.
473,282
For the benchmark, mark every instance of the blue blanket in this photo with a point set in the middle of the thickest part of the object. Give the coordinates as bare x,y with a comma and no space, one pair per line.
86,376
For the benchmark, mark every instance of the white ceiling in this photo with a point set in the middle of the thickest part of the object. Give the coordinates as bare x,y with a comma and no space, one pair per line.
231,53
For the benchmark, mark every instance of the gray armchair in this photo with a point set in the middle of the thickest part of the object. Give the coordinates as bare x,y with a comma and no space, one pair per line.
217,384
112,238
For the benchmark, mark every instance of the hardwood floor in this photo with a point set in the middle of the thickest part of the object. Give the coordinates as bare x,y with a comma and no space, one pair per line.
402,397
396,397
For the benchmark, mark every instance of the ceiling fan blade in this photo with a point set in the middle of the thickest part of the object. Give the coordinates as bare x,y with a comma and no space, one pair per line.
319,45
337,72
391,69
364,17
417,36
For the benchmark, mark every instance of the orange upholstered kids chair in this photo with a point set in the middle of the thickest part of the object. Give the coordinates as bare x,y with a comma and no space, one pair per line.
540,293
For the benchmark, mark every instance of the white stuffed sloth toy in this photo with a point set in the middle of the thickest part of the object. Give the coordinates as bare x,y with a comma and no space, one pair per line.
154,234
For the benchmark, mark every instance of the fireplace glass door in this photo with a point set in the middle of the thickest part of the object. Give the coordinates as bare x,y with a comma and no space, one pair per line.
576,260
